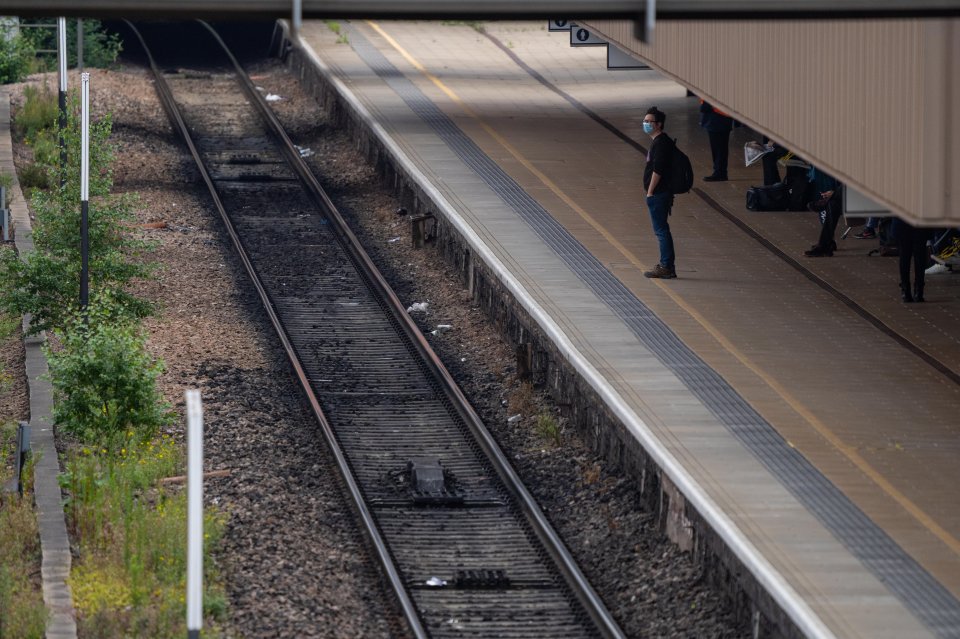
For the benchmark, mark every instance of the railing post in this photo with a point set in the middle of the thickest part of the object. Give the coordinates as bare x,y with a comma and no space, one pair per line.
194,514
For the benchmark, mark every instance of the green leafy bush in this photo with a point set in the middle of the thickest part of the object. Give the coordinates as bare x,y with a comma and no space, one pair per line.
16,58
104,380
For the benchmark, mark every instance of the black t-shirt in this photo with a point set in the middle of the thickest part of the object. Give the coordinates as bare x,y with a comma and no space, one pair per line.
658,159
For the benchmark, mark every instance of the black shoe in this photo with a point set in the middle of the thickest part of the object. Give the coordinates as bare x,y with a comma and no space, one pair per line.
918,293
905,294
818,251
715,178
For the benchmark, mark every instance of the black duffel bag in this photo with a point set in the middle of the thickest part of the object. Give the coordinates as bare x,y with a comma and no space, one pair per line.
768,198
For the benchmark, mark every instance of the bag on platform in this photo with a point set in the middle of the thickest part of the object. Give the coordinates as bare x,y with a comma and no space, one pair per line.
798,188
768,198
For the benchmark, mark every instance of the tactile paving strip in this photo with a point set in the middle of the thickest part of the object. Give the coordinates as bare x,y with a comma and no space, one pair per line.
933,604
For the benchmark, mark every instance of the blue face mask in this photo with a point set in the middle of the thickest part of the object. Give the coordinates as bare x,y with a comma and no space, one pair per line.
648,127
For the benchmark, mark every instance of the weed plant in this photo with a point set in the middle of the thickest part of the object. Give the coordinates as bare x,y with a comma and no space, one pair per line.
22,612
131,578
549,428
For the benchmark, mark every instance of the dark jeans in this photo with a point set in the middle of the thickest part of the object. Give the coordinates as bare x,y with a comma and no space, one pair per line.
912,247
720,150
660,205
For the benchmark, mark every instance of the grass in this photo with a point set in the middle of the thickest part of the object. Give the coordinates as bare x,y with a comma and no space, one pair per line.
39,112
130,577
22,613
36,123
549,428
334,26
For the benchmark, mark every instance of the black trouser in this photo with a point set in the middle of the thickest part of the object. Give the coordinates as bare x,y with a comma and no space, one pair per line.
770,173
833,215
720,150
912,247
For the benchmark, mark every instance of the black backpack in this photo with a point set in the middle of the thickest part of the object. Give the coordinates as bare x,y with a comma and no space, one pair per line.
680,179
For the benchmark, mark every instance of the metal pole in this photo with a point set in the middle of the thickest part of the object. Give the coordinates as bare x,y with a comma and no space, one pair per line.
297,17
62,60
6,213
79,44
84,187
194,514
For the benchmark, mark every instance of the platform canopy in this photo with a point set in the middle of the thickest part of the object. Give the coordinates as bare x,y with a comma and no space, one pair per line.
665,9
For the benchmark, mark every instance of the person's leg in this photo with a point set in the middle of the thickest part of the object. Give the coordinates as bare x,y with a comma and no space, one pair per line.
659,206
869,231
905,255
919,262
723,154
825,245
770,173
719,142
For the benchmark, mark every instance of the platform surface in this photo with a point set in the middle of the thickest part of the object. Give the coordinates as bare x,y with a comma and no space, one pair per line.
815,410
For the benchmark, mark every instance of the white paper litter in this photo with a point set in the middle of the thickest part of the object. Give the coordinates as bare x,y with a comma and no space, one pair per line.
753,151
273,97
514,419
304,152
436,581
394,239
444,327
418,307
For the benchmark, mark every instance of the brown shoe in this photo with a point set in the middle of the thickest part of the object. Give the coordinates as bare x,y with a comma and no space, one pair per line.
661,272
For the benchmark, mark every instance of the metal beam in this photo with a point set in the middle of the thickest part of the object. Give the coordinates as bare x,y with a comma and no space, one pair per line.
583,9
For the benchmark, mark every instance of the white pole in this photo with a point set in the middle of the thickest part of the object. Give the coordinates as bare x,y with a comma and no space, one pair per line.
84,189
62,52
84,137
194,514
62,94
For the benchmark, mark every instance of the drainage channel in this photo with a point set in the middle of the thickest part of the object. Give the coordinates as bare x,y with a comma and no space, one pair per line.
461,541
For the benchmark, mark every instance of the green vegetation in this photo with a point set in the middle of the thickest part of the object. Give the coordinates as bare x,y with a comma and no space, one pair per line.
21,601
100,49
549,428
17,58
104,380
131,578
333,25
47,282
129,527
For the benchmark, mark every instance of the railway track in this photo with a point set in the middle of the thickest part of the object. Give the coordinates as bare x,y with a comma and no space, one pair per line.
460,540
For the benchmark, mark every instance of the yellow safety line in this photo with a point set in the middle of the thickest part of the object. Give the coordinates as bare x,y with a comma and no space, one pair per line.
848,451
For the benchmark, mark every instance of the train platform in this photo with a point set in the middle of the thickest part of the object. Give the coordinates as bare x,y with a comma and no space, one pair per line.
808,415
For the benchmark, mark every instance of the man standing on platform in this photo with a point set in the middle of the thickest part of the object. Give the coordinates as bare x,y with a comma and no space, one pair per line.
659,198
718,126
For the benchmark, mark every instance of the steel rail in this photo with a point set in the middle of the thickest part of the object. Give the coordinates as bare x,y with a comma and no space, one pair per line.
369,523
489,9
564,561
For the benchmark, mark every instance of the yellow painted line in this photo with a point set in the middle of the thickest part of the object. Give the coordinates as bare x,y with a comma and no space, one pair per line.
848,451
